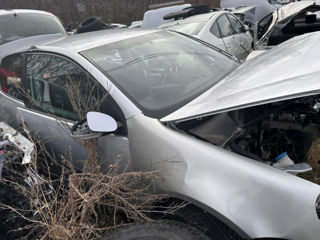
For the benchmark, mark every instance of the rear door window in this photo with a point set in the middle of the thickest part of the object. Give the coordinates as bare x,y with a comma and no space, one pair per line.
225,26
11,76
215,30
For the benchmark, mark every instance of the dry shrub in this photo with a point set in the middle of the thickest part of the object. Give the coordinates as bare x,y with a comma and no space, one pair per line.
313,159
87,204
84,205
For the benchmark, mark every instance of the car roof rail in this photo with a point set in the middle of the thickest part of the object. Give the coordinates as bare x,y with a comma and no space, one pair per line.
189,11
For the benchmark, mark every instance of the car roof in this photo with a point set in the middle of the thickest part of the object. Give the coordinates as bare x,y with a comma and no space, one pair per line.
85,41
75,43
11,11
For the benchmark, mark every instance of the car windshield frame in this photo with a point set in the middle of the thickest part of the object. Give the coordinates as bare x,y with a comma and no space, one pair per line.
163,111
11,30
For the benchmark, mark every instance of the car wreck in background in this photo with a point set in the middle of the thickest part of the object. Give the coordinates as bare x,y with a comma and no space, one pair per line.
288,21
216,131
19,23
221,29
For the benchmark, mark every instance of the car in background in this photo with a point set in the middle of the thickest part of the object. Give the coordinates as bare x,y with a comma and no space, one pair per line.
21,23
173,104
219,28
293,19
154,18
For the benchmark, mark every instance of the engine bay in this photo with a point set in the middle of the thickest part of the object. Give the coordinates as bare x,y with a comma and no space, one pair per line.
264,132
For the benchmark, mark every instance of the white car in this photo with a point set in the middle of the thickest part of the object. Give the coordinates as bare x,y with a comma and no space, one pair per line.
219,28
21,23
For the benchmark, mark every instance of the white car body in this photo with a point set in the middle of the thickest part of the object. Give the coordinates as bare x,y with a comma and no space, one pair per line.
154,18
237,44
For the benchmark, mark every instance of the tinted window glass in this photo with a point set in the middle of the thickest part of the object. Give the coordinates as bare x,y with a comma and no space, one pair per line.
11,75
59,87
215,30
225,26
161,71
236,24
264,25
192,28
16,26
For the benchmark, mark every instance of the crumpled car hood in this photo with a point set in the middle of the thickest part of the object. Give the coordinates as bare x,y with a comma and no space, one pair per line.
286,13
286,71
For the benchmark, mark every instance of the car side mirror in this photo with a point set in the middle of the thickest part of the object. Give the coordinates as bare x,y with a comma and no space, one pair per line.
246,28
100,122
93,126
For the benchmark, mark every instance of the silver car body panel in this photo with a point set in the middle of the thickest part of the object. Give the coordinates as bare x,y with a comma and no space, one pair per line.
262,79
255,199
261,200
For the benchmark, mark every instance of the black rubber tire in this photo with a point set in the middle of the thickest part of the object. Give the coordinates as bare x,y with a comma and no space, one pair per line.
211,226
161,230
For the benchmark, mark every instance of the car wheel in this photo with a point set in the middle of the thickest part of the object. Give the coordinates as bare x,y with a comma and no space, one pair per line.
163,230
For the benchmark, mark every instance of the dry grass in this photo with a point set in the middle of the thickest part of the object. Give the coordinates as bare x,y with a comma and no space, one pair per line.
313,160
83,205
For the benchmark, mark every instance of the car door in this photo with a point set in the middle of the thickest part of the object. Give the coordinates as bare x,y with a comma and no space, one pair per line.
60,93
226,34
242,37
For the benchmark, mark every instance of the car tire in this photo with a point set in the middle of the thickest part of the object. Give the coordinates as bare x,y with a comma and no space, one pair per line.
205,222
161,230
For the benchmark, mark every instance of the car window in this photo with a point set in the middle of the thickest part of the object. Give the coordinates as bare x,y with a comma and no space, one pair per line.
215,30
225,26
60,87
236,24
191,28
264,24
11,75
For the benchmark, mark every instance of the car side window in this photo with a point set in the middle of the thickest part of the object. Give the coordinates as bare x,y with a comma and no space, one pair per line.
11,75
215,30
236,24
60,87
225,26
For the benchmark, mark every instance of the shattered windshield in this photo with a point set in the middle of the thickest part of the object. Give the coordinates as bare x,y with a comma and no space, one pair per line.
162,71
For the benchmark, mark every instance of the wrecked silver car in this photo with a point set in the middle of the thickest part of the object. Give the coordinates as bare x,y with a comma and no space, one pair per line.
230,140
286,22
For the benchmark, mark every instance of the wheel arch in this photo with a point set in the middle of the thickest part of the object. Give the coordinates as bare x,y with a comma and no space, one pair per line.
204,211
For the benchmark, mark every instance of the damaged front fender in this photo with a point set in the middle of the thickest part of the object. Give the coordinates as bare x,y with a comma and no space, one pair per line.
254,199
